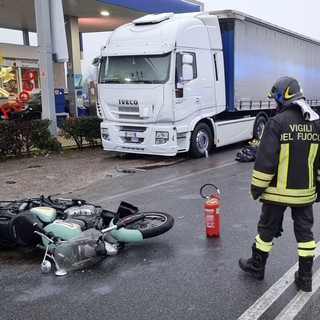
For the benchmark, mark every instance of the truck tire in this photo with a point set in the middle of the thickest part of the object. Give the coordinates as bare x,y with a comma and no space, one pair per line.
259,126
201,140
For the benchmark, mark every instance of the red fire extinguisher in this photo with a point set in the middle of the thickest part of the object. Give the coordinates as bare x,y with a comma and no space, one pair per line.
211,209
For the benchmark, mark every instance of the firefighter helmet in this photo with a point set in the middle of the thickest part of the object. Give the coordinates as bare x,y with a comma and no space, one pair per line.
286,90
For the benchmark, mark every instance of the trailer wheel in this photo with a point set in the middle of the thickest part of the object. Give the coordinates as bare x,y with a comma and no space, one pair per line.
259,126
201,140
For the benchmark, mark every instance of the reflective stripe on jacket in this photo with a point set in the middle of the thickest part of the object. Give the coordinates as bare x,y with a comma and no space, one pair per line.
286,169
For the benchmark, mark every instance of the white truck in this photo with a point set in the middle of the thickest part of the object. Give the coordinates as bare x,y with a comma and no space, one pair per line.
171,83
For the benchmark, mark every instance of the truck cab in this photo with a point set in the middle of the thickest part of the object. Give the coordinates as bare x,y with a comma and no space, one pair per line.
158,78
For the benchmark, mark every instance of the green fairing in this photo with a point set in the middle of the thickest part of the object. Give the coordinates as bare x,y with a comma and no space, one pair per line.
126,235
45,214
65,230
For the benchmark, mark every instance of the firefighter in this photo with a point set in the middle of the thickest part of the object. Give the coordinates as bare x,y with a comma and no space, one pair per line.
286,174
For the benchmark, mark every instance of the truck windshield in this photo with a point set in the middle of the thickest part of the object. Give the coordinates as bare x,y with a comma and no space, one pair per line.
135,69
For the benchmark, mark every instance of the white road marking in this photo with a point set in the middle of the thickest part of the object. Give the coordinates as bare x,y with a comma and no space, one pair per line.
166,181
274,292
299,301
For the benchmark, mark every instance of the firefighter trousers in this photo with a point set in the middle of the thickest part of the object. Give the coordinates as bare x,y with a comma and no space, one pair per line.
271,218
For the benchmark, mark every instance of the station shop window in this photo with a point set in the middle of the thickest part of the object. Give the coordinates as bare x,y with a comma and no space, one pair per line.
12,81
8,81
35,81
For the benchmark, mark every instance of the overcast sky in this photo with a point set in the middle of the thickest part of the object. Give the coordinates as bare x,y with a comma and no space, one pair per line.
301,17
298,16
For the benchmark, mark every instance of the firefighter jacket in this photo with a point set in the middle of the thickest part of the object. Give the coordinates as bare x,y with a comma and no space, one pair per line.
286,170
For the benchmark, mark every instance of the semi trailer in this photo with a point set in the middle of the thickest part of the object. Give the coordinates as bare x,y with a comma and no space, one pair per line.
172,83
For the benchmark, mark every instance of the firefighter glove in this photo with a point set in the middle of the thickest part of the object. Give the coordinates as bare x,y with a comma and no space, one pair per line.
280,229
254,196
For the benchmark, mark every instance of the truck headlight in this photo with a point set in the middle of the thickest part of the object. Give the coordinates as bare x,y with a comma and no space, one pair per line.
105,134
161,137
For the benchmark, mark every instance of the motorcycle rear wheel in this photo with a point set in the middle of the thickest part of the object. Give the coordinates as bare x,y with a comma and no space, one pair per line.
12,209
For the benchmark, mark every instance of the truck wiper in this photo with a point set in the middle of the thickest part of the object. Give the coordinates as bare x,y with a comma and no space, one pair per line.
142,81
112,81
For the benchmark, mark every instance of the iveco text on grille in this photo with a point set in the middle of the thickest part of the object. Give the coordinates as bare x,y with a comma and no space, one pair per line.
128,102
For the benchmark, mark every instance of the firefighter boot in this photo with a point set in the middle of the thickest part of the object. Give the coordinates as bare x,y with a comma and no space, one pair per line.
303,277
256,264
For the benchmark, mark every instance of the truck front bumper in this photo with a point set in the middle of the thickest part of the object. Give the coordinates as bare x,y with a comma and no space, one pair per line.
141,139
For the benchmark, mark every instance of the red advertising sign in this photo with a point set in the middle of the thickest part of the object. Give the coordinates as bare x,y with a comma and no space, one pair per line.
23,97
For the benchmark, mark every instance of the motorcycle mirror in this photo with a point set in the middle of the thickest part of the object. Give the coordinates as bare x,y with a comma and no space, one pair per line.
45,266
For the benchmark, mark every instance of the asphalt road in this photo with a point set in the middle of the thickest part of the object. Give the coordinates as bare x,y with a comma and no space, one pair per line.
182,274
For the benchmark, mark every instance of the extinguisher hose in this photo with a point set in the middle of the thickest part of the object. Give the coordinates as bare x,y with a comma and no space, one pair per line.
206,185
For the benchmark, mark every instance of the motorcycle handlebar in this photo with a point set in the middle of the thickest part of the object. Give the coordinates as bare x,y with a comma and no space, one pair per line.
42,232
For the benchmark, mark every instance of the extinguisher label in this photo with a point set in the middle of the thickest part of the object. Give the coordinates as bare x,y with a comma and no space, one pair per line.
210,218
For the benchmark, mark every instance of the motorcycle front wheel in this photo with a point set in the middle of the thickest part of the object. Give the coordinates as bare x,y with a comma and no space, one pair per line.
153,224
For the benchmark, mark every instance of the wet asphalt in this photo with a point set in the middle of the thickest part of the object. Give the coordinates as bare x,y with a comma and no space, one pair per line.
182,274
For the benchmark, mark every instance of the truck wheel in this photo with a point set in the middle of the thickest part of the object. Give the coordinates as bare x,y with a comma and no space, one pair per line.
258,127
201,140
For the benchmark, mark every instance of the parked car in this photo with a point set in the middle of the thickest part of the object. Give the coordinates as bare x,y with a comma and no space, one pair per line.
32,109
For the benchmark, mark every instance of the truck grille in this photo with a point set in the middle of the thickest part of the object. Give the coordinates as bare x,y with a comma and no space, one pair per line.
126,112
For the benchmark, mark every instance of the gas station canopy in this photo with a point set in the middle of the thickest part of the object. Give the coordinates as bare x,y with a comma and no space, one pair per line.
51,19
20,14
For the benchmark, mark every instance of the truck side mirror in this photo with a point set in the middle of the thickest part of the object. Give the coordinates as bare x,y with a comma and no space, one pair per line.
187,72
96,61
187,67
187,58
